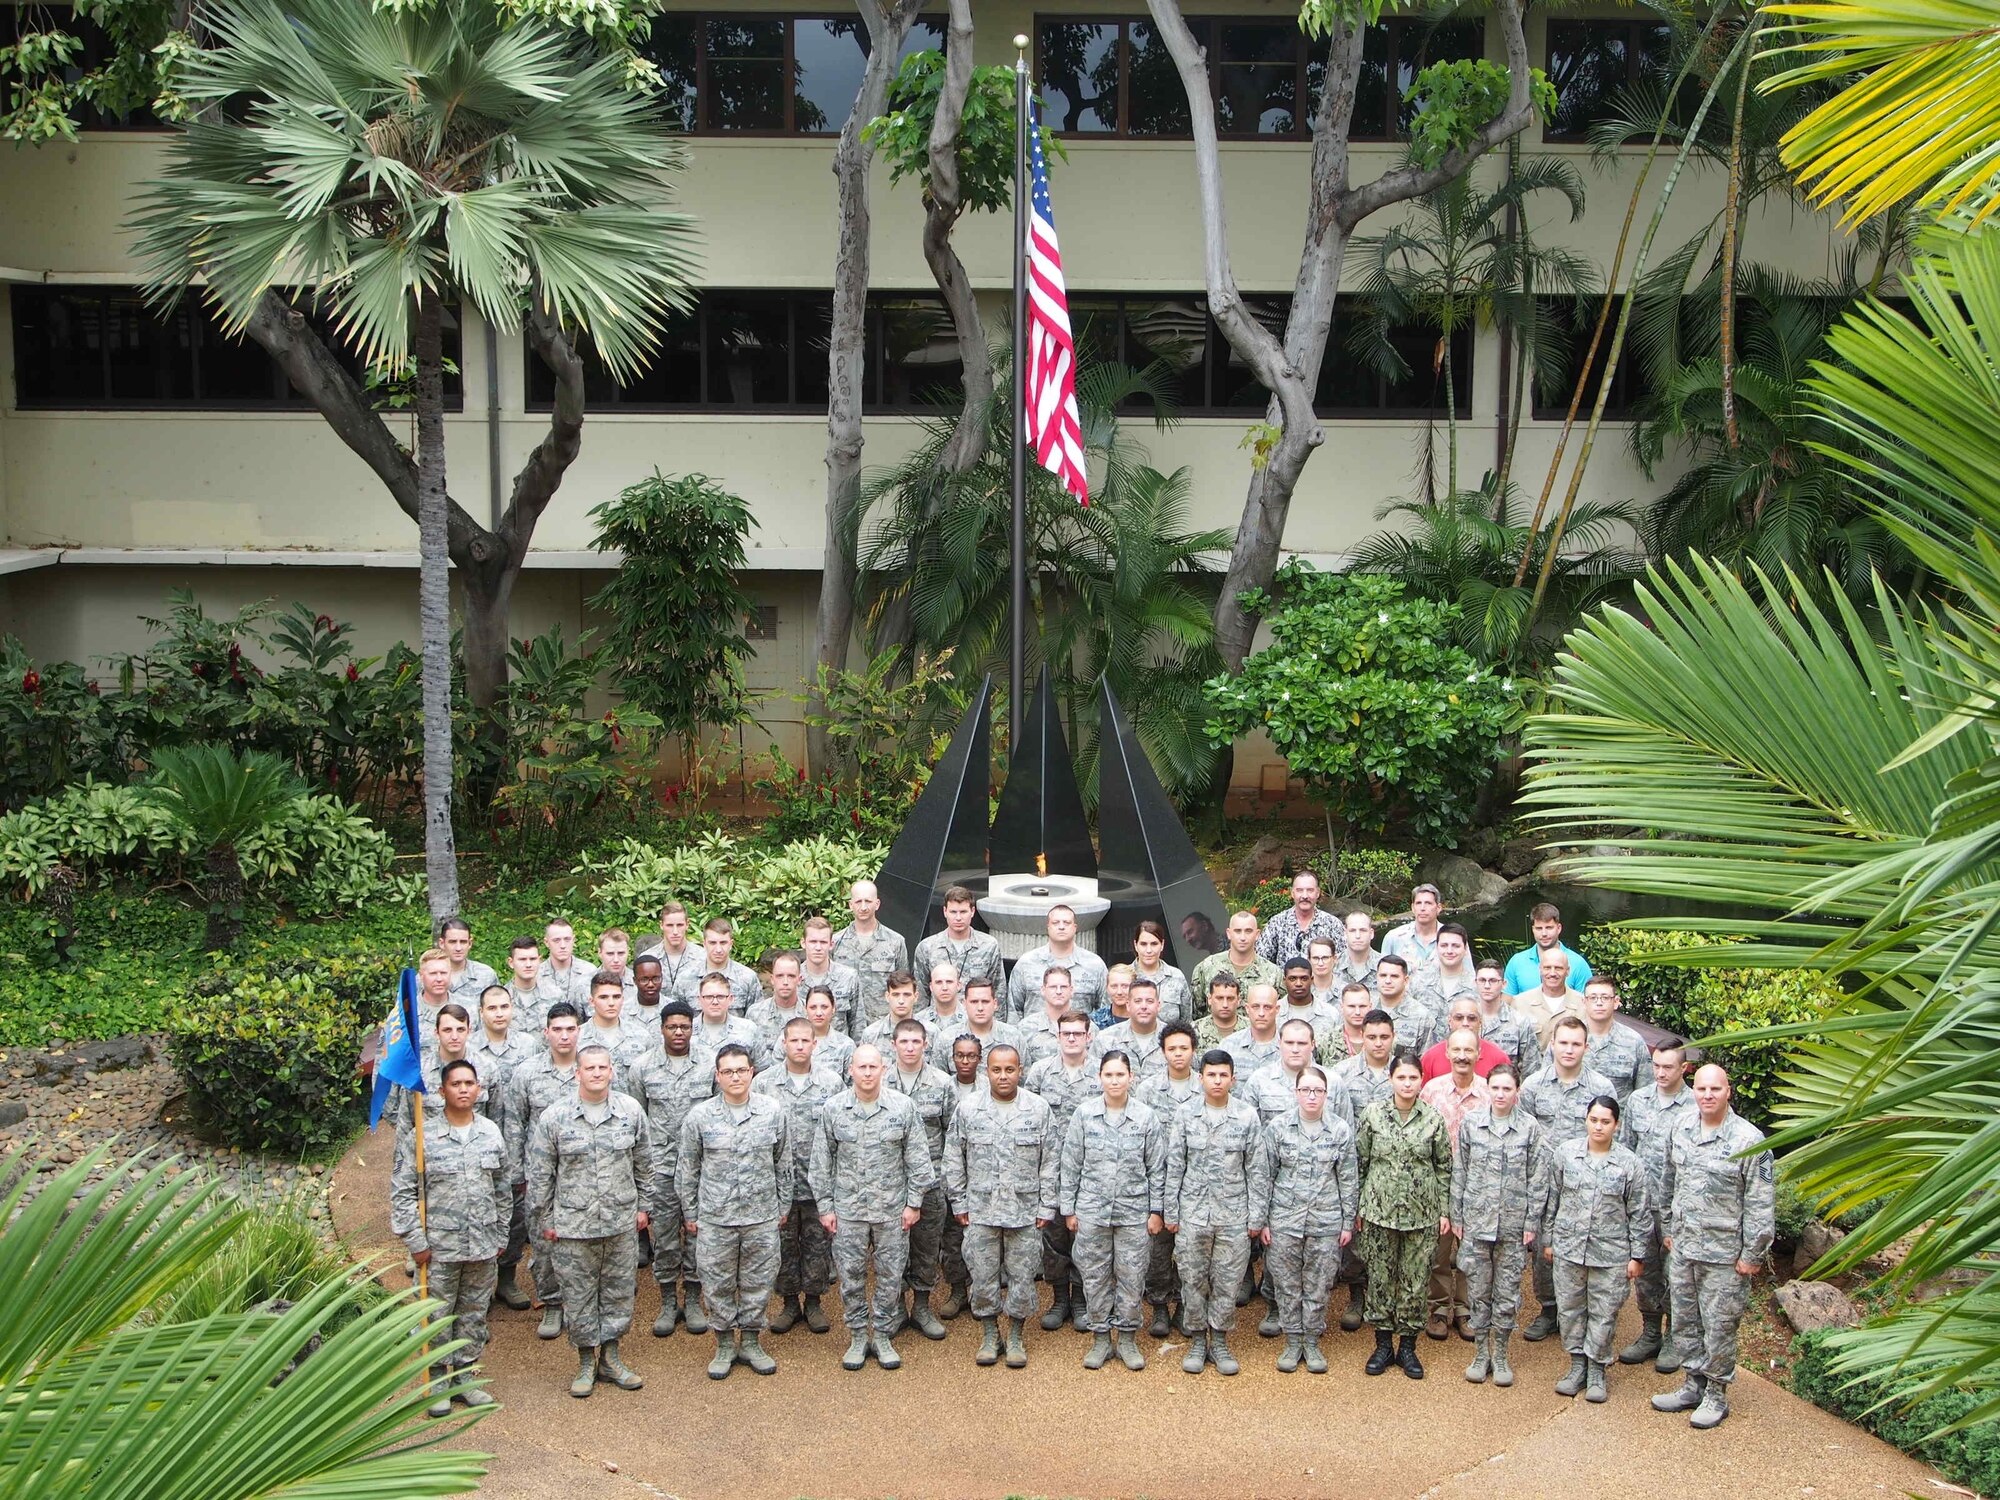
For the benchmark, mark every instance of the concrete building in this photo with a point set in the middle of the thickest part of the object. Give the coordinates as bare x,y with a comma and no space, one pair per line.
136,454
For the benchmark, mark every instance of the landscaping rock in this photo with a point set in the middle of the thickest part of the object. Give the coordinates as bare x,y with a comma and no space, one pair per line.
1265,861
115,1055
1462,882
1519,857
1480,845
1808,1305
12,1112
1815,1240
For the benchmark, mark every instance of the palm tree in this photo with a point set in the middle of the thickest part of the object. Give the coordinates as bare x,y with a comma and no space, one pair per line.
104,1392
386,160
1840,773
222,797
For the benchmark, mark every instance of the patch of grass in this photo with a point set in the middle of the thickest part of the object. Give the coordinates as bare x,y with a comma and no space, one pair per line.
276,1254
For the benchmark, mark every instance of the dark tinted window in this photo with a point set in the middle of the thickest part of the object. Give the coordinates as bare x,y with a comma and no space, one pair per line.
1568,323
1080,66
1392,54
1256,69
1590,61
771,74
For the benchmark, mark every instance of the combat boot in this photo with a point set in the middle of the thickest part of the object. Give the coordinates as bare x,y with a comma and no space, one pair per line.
1099,1353
1219,1355
1291,1354
885,1351
552,1322
1315,1356
614,1369
440,1391
1714,1407
472,1395
1128,1350
724,1359
1017,1343
1503,1372
1161,1324
695,1315
1482,1362
1350,1321
989,1342
1384,1355
954,1303
1406,1357
585,1379
1646,1345
923,1318
786,1318
751,1352
1269,1327
1543,1325
1197,1354
857,1350
1246,1289
670,1312
508,1292
815,1315
1687,1398
1058,1311
1594,1388
1579,1370
1670,1359
1078,1308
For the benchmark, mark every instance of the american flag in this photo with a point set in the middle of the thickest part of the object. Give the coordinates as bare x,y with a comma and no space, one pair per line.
1055,432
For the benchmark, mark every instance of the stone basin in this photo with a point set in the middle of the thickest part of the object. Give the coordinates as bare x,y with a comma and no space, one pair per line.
1016,909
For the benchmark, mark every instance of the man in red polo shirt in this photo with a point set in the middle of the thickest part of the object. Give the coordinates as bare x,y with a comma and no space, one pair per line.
1463,1016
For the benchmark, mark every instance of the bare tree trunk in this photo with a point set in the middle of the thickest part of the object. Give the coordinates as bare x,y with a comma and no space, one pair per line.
942,208
434,610
1290,371
887,31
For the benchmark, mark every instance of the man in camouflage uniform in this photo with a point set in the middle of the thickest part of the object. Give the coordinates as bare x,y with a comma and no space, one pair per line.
971,953
433,990
718,943
899,995
1315,1190
469,977
981,1004
524,985
1167,1093
534,1086
1138,1035
735,1183
498,1051
1499,1024
649,994
1222,999
1063,1082
930,1090
469,1201
871,1167
1039,1028
715,1027
784,1004
1114,1160
563,975
1412,1017
590,1177
1651,1116
1298,1003
1447,977
1087,974
1612,1049
1217,1195
1359,1081
1240,960
1256,1043
1559,1096
669,1081
872,951
805,1254
606,1026
680,960
1358,958
1001,1158
820,968
1499,1183
1721,1197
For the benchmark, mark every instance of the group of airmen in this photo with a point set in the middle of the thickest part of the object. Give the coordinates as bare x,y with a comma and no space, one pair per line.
1305,1110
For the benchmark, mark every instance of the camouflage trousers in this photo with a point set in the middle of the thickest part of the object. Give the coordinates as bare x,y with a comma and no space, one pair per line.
542,1268
463,1290
1058,1269
517,1231
951,1252
994,1254
857,1244
1652,1288
805,1254
599,1278
1587,1302
737,1264
920,1273
1111,1260
1211,1262
1163,1285
1302,1268
1545,1280
1708,1302
1492,1271
673,1252
1449,1296
1399,1270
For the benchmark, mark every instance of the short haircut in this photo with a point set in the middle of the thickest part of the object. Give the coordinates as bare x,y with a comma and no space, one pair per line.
1545,911
1426,889
1563,1022
1456,931
902,979
454,924
676,1008
603,981
433,956
1296,1021
1118,971
1402,964
1245,912
1348,989
1298,963
1331,947
907,1025
1670,1043
1224,982
589,1047
562,1010
710,981
1115,1055
1215,1057
801,1022
980,984
1488,963
492,990
957,895
1177,1028
1605,1101
647,958
1600,982
1072,1015
523,942
555,922
1054,969
817,924
1377,1017
787,955
456,1065
966,1036
671,909
1060,907
456,1011
999,1047
1142,984
614,935
733,1049
719,924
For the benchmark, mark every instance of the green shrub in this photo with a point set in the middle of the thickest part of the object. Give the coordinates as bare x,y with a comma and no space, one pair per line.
276,1253
720,875
1970,1458
1376,878
269,1061
1794,1213
1701,1003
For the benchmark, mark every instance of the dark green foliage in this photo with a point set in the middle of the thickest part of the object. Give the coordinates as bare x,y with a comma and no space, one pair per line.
985,133
1970,1457
1394,728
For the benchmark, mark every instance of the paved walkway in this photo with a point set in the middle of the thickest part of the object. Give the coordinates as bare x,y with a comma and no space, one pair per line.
940,1426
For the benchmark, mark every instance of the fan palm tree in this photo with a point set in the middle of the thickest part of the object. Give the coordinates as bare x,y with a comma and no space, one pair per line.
104,1394
221,797
1841,774
385,160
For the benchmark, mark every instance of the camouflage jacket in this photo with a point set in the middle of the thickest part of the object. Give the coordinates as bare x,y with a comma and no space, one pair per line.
873,958
1217,1173
1001,1167
1087,974
745,988
1143,1052
1621,1056
932,1092
978,957
468,1191
1114,1172
1650,1117
1176,999
589,1178
870,1162
1597,1212
733,1170
1061,1089
1405,1165
1561,1106
1499,1175
668,1087
1315,1174
1721,1191
804,1097
536,1085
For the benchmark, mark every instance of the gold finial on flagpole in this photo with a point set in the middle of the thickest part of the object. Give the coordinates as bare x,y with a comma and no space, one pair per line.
1021,48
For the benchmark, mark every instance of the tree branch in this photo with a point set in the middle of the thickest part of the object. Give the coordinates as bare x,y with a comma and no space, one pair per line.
540,476
942,209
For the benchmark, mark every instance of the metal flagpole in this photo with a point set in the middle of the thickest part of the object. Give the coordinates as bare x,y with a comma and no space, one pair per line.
1018,529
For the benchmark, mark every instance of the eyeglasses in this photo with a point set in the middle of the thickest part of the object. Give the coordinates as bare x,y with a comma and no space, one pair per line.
1310,1091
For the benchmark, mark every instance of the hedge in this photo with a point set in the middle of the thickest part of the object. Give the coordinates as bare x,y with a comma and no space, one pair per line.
1970,1457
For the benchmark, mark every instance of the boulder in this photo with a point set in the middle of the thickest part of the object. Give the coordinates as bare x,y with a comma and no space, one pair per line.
1815,1240
1462,882
12,1112
1265,861
1519,856
1481,845
1816,1304
115,1055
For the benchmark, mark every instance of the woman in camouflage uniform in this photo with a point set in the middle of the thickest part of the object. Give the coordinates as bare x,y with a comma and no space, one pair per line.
1598,1226
1404,1148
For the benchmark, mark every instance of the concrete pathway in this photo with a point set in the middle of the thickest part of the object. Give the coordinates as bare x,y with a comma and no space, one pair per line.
940,1426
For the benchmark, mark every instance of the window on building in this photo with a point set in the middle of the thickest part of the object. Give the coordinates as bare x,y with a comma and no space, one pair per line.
1205,376
752,73
1591,61
1567,324
107,346
1114,78
767,352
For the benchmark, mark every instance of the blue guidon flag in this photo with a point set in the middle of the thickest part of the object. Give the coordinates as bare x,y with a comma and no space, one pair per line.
401,1062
